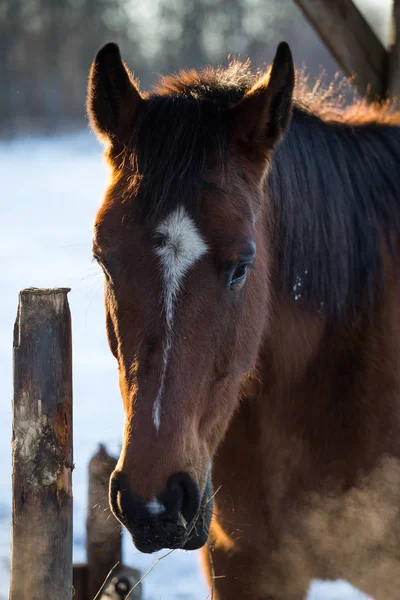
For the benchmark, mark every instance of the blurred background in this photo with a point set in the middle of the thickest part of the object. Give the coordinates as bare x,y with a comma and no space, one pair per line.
52,180
46,46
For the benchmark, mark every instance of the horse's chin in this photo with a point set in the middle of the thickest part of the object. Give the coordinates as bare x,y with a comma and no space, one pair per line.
197,539
196,542
199,536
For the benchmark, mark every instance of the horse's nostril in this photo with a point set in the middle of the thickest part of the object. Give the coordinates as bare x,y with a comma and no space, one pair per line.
114,483
114,489
182,496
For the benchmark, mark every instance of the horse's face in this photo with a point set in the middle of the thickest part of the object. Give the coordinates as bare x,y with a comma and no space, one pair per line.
186,294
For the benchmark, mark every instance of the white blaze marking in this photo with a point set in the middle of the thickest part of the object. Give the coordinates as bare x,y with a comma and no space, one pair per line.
155,507
181,247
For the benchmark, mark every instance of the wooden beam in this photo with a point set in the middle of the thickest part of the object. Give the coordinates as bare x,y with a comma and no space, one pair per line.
41,554
351,41
394,66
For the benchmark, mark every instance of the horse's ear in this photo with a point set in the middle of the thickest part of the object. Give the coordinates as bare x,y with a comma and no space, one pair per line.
263,115
113,99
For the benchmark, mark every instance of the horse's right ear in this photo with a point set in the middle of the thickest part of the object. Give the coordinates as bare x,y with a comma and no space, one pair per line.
113,99
263,115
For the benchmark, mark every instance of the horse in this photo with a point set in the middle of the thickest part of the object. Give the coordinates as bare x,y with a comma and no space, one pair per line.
249,240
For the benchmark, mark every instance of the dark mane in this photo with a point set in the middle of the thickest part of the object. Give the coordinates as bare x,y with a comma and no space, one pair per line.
335,187
334,182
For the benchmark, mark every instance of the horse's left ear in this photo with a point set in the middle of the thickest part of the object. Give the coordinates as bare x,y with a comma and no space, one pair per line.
263,115
113,99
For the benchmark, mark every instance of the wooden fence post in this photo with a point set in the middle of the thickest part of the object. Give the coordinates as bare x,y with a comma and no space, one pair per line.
103,531
103,542
41,555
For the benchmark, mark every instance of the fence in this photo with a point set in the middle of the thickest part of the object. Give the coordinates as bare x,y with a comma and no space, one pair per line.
41,554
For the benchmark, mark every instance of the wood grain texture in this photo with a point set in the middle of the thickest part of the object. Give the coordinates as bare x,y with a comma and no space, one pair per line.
41,555
351,41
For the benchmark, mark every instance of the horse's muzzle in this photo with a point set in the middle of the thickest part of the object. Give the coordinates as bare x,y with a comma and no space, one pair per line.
177,518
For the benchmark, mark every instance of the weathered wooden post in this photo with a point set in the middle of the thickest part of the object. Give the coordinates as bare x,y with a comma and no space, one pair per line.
41,555
103,531
104,577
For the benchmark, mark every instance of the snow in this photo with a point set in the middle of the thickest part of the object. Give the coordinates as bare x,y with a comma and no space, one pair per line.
51,189
339,590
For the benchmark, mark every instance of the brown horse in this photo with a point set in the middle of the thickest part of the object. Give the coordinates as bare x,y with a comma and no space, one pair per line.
249,244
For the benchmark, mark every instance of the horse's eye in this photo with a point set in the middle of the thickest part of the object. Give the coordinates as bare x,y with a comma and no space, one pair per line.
238,274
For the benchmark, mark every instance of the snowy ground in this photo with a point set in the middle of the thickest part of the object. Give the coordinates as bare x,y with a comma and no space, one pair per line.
50,192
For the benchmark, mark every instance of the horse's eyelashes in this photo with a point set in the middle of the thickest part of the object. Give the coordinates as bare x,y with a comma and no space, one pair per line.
102,265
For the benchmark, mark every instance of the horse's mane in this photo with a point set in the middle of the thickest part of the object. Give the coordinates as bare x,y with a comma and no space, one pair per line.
335,189
334,182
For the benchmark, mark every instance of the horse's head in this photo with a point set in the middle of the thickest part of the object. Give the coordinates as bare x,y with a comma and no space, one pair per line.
184,250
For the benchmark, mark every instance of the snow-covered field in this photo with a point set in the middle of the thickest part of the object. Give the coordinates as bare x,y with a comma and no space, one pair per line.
50,189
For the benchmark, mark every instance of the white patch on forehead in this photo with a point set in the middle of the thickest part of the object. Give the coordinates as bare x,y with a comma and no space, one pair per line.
181,246
155,507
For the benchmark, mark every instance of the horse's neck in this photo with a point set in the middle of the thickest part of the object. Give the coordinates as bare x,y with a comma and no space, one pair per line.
334,390
322,408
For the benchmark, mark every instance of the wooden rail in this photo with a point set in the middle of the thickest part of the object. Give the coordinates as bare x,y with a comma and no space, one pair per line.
351,41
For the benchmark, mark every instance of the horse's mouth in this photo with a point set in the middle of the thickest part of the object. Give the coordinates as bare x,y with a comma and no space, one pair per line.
197,536
198,531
